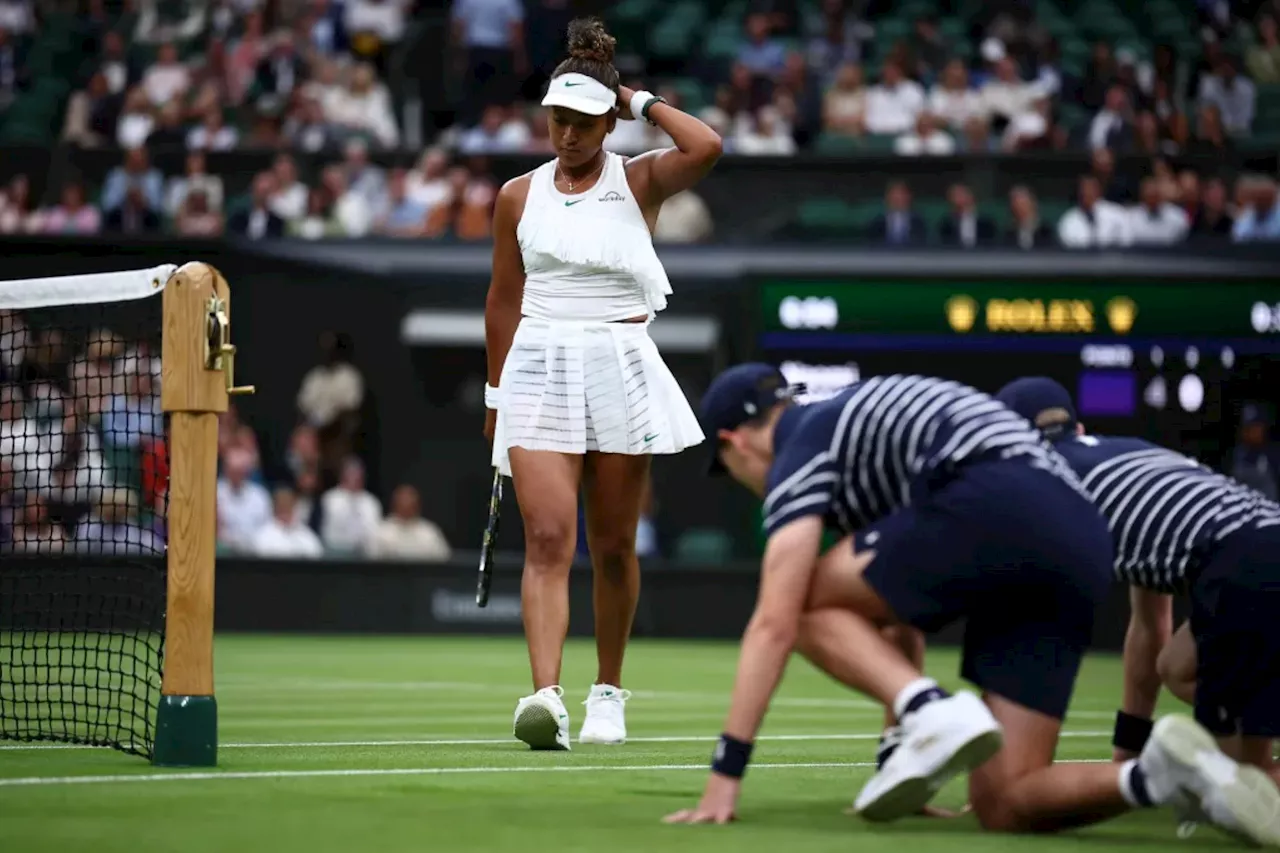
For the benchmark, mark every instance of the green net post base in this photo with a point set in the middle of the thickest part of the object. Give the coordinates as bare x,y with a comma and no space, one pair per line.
187,732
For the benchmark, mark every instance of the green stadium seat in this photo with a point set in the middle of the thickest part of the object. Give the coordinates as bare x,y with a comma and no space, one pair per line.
722,39
997,211
836,143
933,211
692,94
879,144
829,214
704,545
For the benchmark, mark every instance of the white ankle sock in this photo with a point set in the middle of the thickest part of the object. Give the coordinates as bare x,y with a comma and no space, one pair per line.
911,691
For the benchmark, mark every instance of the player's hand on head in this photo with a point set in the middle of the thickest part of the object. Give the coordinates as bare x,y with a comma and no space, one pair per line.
718,804
624,103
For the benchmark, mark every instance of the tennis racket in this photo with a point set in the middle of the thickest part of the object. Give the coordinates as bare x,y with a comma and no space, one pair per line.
485,579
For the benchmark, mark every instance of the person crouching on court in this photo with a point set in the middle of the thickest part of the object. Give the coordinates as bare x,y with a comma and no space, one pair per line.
578,395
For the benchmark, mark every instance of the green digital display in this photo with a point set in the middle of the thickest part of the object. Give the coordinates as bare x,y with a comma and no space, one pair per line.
1023,308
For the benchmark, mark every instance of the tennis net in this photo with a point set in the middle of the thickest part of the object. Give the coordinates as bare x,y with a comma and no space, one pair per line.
83,507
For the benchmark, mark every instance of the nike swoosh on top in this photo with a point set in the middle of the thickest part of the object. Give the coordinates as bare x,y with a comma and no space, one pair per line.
572,203
571,85
649,438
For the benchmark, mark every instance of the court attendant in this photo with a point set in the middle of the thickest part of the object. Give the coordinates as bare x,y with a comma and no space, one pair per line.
1180,528
962,511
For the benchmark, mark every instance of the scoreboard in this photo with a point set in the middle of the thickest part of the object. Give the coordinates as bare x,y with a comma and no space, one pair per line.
1171,361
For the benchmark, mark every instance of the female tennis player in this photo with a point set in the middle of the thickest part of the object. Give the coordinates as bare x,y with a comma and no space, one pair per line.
578,395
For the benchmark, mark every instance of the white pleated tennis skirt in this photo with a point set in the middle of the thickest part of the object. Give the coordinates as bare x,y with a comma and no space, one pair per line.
574,387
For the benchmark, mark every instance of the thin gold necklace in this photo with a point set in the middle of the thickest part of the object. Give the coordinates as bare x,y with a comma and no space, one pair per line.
572,184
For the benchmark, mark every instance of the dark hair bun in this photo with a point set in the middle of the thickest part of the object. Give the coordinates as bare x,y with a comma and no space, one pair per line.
589,40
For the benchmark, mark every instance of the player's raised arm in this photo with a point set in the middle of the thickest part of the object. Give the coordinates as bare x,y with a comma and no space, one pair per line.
1150,626
668,171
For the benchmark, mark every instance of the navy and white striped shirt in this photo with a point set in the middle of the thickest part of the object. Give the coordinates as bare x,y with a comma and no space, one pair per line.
1165,510
858,456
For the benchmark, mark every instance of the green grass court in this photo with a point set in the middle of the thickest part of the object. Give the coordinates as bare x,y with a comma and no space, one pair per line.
403,744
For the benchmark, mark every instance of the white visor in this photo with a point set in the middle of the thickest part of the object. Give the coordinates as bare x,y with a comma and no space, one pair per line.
580,93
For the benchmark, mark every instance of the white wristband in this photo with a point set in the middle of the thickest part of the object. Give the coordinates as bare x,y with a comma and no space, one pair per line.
637,102
490,396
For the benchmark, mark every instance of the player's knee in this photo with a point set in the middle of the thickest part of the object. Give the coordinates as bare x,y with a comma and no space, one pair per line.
613,554
548,544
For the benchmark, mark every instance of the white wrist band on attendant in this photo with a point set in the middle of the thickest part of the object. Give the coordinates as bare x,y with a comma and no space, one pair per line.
490,397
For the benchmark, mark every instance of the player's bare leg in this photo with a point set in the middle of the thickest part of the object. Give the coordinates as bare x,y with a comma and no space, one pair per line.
547,490
614,488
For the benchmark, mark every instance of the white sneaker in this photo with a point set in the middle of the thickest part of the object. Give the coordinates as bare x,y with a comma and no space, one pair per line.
943,739
1184,767
605,721
542,721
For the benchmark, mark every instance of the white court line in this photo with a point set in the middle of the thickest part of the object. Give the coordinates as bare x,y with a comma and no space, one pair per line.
249,682
32,781
492,741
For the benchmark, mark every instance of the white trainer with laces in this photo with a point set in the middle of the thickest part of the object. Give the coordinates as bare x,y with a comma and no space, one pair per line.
1184,767
940,741
542,721
606,715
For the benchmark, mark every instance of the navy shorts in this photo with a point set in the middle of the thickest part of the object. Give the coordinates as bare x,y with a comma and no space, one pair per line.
1016,552
1235,619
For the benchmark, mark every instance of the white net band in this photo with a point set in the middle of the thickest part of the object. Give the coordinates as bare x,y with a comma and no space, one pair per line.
84,289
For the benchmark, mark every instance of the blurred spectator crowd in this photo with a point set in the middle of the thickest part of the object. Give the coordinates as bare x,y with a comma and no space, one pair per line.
1163,79
315,502
84,458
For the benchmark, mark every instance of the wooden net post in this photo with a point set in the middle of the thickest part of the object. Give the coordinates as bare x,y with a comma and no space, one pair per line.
198,362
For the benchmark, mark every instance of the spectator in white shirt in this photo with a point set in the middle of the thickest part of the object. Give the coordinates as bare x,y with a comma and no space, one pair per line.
383,19
1094,222
405,534
1155,221
195,178
167,79
113,528
352,213
364,108
212,134
284,536
1112,126
499,132
243,505
1006,95
136,121
428,184
684,218
349,515
1031,129
766,135
1234,96
952,100
289,201
844,105
894,104
332,390
927,139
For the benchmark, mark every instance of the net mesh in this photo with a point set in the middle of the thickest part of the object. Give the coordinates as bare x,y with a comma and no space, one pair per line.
83,504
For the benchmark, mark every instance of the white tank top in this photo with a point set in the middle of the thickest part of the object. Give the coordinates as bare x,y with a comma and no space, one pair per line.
588,256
